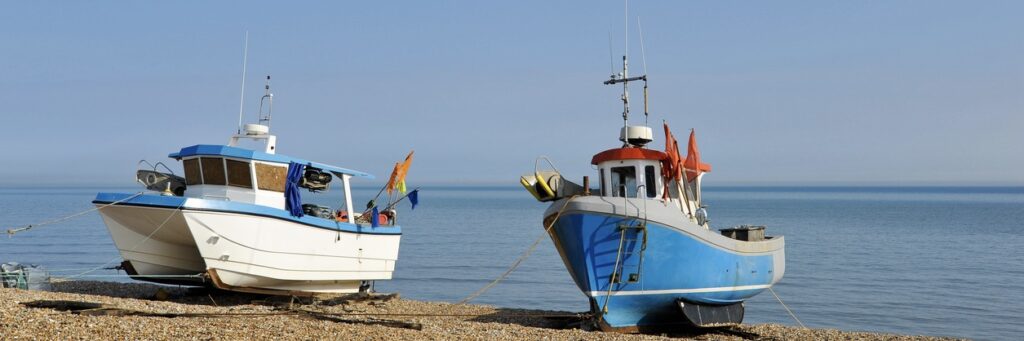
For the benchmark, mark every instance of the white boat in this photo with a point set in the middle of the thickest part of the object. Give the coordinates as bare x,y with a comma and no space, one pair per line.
239,223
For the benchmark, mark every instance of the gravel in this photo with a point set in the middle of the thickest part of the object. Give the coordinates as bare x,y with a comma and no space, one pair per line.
217,315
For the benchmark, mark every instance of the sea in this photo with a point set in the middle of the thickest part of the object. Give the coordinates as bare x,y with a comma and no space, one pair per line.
940,261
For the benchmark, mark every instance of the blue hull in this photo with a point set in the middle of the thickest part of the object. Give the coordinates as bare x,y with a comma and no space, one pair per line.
669,266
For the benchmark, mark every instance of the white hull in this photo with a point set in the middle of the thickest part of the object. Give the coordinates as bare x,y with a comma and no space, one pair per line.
169,249
247,251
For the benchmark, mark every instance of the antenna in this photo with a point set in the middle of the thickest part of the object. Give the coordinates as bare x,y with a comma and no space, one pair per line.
643,56
241,102
266,95
625,71
625,79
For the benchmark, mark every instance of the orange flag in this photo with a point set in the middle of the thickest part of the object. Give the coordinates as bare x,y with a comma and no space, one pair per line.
391,181
692,164
403,171
671,165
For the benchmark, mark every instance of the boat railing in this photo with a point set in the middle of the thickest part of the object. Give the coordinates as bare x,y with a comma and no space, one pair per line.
153,167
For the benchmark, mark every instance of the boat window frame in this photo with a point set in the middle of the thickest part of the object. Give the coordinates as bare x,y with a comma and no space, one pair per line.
247,173
264,185
194,177
211,171
603,185
650,181
626,190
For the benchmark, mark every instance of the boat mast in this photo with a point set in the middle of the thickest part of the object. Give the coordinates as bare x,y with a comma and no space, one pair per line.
241,102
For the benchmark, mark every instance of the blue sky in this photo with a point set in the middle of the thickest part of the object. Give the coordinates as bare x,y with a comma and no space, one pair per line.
810,92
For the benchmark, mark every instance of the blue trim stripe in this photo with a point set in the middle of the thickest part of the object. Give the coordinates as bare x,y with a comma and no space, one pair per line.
242,153
197,204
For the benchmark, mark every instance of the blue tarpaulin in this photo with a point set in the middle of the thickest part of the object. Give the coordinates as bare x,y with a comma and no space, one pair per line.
292,199
375,217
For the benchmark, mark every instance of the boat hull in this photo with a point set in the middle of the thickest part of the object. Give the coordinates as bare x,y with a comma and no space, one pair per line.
252,253
678,261
244,247
155,243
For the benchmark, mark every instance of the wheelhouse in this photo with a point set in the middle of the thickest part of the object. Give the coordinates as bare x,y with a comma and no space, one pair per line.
630,172
219,172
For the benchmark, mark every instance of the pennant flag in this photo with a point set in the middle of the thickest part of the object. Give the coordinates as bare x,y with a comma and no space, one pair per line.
414,198
403,171
692,164
375,217
671,166
391,181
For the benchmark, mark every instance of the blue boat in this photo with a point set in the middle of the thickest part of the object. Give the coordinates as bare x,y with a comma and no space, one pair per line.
640,246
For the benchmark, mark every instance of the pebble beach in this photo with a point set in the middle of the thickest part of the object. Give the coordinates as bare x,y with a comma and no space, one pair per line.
89,310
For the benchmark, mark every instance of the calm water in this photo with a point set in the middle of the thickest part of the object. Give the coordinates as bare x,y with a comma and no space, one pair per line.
934,261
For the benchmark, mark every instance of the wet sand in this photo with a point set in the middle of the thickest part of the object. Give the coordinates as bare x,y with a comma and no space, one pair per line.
143,311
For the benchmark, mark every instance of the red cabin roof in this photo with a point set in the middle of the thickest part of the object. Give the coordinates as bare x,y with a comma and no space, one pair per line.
628,153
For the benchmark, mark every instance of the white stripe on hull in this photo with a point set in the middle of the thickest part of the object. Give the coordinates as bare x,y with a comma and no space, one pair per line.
677,291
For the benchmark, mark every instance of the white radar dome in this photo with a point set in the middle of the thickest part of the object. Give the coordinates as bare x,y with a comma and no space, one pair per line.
636,135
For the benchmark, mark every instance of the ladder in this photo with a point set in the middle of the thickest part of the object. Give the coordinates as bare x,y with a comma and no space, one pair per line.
630,233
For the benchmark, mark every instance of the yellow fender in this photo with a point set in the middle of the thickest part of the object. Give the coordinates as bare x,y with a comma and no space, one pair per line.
529,188
543,187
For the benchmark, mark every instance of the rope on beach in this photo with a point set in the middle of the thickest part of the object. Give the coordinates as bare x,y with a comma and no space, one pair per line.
521,258
11,232
787,308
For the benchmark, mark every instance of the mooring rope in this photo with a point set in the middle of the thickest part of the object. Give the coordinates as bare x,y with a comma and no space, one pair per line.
11,232
132,249
787,308
521,258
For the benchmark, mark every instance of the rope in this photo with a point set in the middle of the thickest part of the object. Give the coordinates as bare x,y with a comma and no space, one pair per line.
137,243
787,308
521,258
11,232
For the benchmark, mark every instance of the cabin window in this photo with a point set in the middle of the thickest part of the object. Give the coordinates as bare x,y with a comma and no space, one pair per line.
213,170
271,178
238,173
649,183
603,193
624,181
192,174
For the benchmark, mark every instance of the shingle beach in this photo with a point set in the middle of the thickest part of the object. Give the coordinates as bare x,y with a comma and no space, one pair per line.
150,312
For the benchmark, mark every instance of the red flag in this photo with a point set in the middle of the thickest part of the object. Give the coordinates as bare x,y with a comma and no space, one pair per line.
692,164
670,166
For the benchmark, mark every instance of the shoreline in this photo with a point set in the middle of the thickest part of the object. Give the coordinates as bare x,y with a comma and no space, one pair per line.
148,311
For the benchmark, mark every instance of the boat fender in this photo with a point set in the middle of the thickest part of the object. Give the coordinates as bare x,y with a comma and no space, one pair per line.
542,187
529,188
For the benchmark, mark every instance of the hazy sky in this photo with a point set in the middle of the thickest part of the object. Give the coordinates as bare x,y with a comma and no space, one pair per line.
893,92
